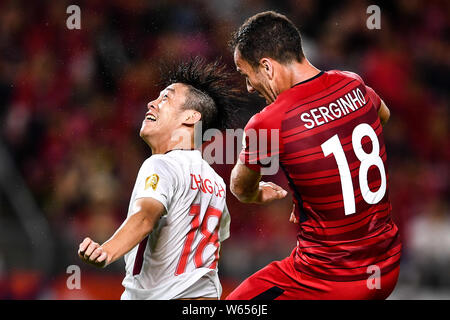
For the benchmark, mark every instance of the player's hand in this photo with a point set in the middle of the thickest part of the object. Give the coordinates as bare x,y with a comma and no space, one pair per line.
269,192
293,218
91,252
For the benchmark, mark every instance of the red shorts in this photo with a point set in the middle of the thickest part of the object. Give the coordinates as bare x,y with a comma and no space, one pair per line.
281,281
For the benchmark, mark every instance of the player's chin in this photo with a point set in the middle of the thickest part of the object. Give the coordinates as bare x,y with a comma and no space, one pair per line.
146,130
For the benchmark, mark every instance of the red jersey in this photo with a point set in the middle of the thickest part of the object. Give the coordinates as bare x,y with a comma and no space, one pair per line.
330,145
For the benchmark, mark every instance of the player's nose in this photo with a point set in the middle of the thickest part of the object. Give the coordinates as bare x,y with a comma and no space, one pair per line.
152,105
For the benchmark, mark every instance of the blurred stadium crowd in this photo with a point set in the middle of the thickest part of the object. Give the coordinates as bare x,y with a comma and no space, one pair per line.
72,102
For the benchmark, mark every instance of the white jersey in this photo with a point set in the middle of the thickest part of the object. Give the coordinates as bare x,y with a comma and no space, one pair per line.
179,257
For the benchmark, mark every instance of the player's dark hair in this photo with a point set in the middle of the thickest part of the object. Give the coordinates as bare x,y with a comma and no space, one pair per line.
212,91
268,34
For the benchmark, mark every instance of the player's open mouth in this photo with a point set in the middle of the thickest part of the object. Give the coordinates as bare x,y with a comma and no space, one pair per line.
150,117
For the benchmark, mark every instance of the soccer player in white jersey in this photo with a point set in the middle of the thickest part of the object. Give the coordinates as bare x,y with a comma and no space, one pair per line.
177,217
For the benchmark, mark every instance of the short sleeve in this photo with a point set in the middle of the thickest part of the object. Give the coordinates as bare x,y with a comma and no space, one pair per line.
157,180
373,96
260,143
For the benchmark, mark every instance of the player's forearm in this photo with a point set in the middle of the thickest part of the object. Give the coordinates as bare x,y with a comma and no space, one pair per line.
243,187
245,196
131,233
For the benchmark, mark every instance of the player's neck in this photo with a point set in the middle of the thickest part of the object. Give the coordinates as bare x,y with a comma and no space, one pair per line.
180,142
299,72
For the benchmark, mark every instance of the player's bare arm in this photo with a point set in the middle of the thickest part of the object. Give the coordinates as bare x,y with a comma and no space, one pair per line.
384,113
246,185
131,233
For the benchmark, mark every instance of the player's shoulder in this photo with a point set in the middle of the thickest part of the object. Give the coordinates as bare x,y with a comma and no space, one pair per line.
344,74
163,162
268,117
155,159
209,168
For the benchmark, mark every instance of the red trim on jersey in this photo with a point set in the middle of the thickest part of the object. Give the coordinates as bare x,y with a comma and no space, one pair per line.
139,259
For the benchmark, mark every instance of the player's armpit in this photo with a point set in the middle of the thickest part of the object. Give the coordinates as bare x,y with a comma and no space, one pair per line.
384,113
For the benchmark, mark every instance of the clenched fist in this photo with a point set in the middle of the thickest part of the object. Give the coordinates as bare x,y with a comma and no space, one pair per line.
91,252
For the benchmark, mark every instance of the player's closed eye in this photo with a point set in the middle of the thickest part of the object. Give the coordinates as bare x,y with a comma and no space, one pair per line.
165,97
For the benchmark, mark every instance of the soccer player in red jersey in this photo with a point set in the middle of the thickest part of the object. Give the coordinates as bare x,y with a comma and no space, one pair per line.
329,143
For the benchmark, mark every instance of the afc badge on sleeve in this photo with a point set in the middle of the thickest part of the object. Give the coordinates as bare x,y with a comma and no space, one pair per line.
151,181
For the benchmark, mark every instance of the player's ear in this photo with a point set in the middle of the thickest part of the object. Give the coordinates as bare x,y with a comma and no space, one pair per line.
266,67
191,117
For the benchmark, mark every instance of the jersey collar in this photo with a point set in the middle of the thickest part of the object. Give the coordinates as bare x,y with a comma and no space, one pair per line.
310,79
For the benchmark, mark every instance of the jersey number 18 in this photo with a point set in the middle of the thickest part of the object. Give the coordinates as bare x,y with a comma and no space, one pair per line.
208,237
333,146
